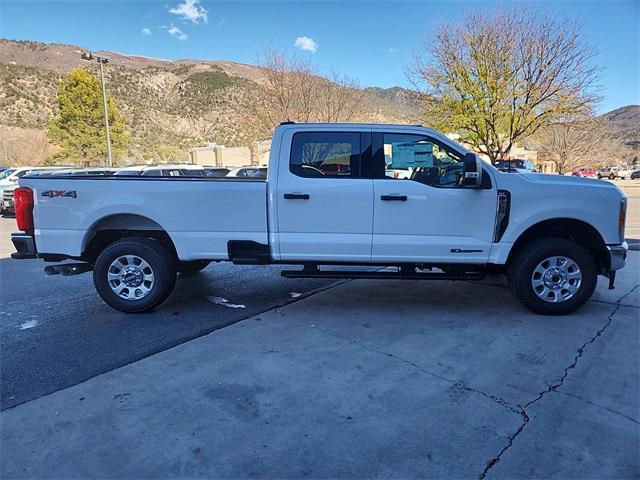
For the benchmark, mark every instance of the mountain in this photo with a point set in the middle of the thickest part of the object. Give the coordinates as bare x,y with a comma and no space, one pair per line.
624,125
170,106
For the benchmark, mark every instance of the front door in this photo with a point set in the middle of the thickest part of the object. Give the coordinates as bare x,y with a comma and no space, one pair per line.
422,212
324,205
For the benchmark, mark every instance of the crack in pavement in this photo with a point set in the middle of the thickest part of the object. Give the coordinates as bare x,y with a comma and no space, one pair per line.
554,385
456,383
602,407
515,408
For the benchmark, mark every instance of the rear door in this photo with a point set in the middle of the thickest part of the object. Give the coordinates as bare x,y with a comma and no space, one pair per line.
422,212
324,203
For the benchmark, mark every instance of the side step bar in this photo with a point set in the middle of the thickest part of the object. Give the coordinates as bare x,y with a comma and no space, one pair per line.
67,269
375,275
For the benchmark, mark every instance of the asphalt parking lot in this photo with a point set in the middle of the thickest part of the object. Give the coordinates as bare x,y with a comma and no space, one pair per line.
366,379
360,379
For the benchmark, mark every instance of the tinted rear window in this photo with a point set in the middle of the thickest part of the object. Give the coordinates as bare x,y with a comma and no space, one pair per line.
325,155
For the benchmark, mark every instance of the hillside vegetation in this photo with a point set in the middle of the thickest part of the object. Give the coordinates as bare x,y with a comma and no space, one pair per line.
169,106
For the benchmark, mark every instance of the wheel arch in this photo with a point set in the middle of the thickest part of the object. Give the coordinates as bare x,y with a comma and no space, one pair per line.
579,231
113,227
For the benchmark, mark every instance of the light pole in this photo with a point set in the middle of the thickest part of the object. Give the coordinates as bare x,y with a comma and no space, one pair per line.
101,61
4,147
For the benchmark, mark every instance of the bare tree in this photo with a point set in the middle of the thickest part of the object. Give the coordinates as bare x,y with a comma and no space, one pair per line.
27,146
498,79
569,145
339,98
295,91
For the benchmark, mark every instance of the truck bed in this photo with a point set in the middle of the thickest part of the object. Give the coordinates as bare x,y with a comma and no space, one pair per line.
200,214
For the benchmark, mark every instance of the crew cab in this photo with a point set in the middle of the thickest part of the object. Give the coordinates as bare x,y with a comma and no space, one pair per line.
333,197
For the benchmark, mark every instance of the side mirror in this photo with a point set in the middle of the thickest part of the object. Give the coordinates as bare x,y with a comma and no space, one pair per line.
472,171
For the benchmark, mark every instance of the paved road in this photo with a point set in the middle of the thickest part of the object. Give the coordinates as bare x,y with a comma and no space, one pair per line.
56,332
632,190
418,380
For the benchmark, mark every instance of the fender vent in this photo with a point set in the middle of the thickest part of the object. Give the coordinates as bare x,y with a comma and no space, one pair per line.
503,209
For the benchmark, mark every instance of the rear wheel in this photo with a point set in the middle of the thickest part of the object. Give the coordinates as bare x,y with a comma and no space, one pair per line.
134,275
612,177
187,268
553,276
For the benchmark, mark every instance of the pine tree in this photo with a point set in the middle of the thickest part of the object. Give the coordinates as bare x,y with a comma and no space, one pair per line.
79,127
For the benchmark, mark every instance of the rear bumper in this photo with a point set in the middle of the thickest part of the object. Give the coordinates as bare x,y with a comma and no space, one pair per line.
617,256
25,246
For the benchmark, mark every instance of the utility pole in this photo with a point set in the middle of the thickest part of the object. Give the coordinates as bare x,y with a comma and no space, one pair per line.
101,61
4,147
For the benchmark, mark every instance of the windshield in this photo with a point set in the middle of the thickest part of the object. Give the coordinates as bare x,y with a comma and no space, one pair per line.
505,165
6,173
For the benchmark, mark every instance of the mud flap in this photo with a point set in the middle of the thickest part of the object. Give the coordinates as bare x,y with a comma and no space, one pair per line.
612,279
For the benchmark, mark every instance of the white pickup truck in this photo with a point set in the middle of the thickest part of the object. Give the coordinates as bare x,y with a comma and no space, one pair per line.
397,196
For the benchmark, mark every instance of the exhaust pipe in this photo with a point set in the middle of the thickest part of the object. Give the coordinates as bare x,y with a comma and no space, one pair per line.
67,269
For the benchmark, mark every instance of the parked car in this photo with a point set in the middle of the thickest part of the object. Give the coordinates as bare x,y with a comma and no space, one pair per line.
10,177
162,170
256,172
515,165
7,192
614,172
550,235
586,173
87,171
215,172
635,173
7,199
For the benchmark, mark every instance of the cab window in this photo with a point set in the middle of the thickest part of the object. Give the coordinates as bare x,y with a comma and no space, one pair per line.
421,159
325,155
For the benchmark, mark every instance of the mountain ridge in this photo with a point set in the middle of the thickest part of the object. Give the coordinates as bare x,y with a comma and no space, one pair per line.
172,105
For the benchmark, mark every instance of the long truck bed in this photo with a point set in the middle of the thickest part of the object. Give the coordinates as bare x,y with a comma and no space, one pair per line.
200,214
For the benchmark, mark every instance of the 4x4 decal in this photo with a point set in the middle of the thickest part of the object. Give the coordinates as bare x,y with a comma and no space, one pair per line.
60,193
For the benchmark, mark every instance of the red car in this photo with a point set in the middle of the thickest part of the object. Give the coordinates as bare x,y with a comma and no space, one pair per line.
586,173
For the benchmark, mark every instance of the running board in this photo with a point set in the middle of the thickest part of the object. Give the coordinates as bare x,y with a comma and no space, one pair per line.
378,275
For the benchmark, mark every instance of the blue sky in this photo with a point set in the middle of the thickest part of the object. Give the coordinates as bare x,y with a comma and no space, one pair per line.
371,41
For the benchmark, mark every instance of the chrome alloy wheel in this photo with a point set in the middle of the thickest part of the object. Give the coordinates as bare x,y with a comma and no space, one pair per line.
556,279
130,277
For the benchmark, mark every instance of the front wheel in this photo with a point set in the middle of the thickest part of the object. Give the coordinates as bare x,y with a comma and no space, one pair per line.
552,276
134,275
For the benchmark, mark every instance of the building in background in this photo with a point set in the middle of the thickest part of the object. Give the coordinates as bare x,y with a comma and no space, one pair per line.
516,153
257,154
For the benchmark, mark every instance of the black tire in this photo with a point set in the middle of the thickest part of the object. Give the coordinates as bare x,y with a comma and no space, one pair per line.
599,177
159,259
612,177
521,270
188,268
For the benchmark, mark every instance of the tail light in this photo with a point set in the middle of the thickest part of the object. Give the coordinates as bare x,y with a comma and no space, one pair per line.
23,204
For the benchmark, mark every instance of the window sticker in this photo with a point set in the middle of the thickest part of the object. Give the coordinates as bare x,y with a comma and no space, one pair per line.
412,155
